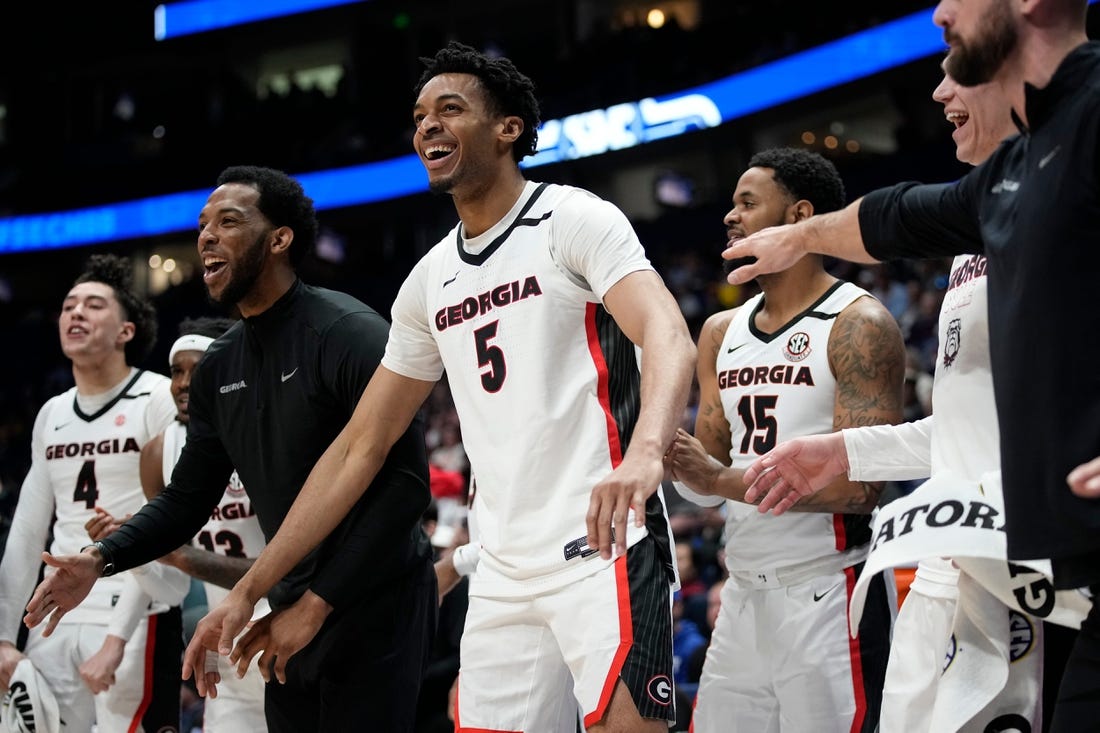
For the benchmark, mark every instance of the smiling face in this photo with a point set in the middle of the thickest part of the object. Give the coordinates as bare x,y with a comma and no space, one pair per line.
456,134
233,243
92,325
980,115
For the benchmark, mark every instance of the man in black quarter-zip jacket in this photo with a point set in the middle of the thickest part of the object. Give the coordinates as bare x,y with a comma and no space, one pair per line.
352,624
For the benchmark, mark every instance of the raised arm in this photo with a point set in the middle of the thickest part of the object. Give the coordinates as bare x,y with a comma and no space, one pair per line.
650,317
835,234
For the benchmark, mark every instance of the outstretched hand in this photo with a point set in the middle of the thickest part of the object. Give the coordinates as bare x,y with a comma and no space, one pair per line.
794,469
629,485
769,250
62,589
215,632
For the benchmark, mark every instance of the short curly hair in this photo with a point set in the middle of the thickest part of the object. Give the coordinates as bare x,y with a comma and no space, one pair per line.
804,175
283,201
509,91
117,273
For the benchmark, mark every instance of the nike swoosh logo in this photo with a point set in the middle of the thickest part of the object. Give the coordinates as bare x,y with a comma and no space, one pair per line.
288,376
1049,157
58,427
732,349
448,282
818,597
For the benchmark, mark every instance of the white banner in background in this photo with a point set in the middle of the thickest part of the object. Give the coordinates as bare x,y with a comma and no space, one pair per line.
949,516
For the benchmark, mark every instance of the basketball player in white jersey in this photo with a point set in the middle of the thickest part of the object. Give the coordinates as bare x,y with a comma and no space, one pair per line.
223,550
86,445
535,304
960,439
809,354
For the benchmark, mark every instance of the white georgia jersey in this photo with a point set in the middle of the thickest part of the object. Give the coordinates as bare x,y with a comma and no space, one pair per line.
81,459
232,529
775,387
965,440
545,383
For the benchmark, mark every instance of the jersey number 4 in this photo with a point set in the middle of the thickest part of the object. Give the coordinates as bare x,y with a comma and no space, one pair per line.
86,490
761,426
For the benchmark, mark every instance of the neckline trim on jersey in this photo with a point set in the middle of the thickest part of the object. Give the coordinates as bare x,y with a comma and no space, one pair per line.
103,410
519,221
808,312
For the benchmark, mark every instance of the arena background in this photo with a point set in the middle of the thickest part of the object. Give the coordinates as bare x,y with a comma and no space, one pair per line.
95,110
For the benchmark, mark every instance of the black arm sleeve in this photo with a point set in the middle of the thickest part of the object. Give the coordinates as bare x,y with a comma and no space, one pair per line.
911,220
198,483
381,535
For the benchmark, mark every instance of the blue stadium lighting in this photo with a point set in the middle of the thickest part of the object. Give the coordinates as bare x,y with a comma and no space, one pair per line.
581,135
198,16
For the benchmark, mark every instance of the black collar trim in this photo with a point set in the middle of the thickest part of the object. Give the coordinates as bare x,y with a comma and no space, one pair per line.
809,312
478,259
103,410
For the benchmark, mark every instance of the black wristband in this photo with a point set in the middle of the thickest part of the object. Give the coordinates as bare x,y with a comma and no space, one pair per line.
108,563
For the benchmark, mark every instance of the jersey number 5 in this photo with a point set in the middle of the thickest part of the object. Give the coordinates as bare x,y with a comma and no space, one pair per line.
760,425
490,356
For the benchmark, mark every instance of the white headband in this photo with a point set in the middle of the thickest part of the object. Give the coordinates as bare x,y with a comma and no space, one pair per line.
190,342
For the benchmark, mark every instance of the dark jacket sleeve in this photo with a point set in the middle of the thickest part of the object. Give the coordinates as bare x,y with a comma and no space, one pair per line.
198,483
381,536
911,220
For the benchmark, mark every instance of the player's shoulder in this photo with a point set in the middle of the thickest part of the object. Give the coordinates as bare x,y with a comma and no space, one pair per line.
866,320
713,332
718,323
864,305
62,401
147,380
564,197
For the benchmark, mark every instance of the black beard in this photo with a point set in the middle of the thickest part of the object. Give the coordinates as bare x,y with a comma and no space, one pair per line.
729,266
441,185
245,274
978,62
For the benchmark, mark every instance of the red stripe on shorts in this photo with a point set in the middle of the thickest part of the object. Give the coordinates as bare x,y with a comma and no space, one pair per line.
626,640
147,690
856,657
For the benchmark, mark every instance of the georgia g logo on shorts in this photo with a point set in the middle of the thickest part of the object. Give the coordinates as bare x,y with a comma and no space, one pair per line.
659,689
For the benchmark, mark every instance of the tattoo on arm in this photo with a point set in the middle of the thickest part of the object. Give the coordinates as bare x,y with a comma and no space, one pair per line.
862,499
211,567
868,361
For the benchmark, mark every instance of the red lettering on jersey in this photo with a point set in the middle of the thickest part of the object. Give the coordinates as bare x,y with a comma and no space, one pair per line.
778,374
497,297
